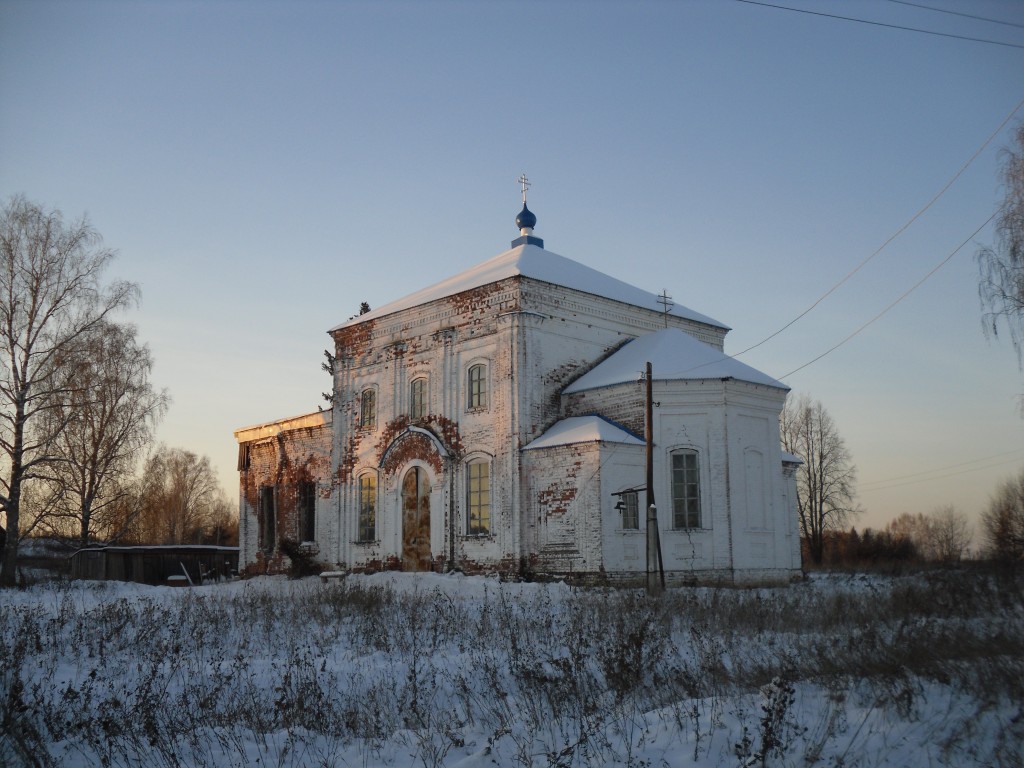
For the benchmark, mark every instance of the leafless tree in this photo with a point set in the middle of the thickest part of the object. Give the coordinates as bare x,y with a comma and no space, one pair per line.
1001,287
109,417
1002,522
37,502
912,528
825,481
942,536
51,298
181,500
222,529
950,534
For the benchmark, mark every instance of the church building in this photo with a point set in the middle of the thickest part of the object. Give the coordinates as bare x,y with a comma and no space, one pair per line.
495,422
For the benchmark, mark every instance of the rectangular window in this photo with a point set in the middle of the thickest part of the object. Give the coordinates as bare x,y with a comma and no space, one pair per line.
478,498
418,398
368,409
685,490
367,508
306,503
630,511
477,387
244,456
267,517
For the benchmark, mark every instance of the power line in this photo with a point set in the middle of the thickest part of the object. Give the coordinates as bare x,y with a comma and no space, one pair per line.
896,234
904,295
932,479
877,251
881,24
898,480
957,13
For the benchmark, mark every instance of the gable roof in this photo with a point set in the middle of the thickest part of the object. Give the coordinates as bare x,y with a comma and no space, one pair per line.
674,355
538,264
583,429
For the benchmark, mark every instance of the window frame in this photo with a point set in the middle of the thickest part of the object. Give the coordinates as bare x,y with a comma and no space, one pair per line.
419,398
267,515
630,511
686,506
478,500
477,387
366,510
368,409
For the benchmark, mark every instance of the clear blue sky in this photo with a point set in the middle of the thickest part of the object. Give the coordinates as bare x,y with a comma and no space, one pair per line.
263,167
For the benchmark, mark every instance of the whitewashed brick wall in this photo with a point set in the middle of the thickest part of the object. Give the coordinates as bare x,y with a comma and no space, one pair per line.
552,509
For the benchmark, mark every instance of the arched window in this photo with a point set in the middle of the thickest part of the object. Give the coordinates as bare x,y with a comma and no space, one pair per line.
685,489
477,387
368,409
367,528
478,498
418,398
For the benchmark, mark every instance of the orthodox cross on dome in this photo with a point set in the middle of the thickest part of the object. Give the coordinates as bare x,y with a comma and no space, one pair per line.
525,182
666,302
526,220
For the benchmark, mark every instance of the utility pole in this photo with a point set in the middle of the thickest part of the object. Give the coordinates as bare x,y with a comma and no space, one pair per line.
655,566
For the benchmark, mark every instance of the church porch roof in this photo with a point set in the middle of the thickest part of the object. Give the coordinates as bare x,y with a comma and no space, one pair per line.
583,429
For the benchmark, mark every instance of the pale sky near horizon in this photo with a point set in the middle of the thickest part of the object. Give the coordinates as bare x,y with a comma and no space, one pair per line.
263,167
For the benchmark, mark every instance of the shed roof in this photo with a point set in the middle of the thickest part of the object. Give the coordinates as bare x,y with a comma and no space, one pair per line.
583,429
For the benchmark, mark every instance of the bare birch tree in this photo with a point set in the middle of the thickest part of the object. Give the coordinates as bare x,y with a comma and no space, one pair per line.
109,417
1001,287
51,298
181,498
825,481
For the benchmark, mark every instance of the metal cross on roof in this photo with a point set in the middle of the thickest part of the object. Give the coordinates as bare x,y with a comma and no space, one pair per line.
526,183
666,302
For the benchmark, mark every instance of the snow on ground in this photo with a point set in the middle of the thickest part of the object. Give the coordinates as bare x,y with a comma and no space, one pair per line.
448,670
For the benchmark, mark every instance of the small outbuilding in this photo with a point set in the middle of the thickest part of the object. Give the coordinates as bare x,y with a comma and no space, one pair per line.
193,564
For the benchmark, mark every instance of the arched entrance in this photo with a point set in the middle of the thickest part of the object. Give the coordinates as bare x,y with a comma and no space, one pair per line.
416,520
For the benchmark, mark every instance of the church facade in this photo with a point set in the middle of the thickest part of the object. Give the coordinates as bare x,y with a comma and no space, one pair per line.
495,423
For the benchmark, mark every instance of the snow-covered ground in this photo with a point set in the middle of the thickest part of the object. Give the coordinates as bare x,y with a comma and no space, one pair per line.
400,670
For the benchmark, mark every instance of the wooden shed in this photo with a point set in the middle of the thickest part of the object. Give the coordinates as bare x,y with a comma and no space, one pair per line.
199,564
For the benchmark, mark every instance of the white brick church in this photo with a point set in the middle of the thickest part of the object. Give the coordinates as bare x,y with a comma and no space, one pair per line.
495,422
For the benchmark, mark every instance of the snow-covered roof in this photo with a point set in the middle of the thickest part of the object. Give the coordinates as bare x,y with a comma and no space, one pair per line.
583,429
274,428
673,355
539,264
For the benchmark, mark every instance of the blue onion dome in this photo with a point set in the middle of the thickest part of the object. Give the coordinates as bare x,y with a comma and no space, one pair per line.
526,219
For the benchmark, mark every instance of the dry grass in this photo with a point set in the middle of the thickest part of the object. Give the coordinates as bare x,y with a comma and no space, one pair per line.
304,676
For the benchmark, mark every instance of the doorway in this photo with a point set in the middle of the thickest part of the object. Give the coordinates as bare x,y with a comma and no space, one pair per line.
416,521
